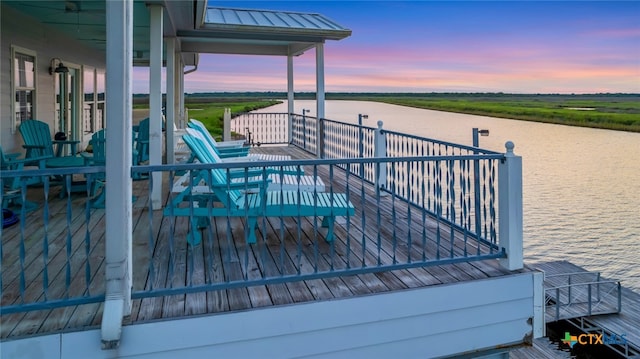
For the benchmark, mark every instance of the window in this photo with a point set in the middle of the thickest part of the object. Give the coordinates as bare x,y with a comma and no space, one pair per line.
24,85
101,118
89,106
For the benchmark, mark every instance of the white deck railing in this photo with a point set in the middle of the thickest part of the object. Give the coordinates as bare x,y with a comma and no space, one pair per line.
418,202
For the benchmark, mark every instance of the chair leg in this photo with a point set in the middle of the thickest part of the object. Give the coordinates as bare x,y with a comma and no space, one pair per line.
251,230
328,222
16,199
99,201
194,237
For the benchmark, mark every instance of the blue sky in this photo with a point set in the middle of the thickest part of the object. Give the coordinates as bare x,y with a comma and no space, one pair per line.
441,46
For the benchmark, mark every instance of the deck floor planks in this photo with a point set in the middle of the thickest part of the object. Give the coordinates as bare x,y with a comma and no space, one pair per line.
217,300
265,257
57,272
79,285
33,248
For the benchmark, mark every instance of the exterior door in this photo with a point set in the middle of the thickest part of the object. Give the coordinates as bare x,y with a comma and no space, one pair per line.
68,102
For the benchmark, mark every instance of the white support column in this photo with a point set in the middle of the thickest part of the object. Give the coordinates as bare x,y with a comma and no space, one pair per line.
118,212
290,99
177,70
319,97
510,208
155,101
183,115
171,98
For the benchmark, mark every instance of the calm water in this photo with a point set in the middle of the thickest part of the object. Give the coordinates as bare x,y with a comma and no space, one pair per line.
581,186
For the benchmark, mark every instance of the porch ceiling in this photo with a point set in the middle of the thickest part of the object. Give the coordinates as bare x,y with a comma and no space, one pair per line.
198,29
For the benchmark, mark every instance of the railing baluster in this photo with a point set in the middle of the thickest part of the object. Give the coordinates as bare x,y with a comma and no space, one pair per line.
68,181
87,239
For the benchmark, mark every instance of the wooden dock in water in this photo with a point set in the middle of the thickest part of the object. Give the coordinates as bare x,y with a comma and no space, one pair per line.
615,315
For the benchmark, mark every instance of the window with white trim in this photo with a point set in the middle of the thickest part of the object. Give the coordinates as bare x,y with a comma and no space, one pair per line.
23,85
89,106
101,117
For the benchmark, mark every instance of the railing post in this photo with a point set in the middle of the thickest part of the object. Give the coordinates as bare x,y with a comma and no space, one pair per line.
290,128
380,151
226,134
360,136
510,208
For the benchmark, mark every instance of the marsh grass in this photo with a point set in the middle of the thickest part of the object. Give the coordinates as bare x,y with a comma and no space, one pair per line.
608,112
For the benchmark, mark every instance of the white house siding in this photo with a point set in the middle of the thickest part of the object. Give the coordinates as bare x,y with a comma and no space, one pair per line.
428,322
23,31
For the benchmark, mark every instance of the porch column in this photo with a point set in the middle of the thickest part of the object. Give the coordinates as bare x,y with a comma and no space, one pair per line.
155,100
118,270
183,119
510,209
290,107
319,96
170,110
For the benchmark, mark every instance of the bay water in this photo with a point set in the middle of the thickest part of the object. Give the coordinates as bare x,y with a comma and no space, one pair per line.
581,186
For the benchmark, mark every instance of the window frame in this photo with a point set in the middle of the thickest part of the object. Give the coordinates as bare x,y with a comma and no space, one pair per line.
15,50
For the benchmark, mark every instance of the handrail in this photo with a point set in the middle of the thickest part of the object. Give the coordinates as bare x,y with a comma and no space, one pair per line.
582,283
571,274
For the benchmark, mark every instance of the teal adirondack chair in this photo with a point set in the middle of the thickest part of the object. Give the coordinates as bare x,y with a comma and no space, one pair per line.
36,136
223,149
250,199
11,187
142,142
213,156
98,158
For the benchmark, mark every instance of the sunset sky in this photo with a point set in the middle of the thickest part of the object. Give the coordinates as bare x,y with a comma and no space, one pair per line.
442,46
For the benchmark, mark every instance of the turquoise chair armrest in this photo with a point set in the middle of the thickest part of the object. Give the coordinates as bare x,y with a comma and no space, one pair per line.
262,183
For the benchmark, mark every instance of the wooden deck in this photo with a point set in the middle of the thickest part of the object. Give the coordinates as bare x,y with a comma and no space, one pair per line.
210,261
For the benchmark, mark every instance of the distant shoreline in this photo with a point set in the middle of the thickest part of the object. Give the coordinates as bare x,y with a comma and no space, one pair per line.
619,112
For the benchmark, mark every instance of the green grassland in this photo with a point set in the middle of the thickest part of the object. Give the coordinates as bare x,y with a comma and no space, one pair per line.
615,112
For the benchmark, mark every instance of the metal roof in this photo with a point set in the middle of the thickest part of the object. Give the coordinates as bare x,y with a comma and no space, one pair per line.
260,32
276,20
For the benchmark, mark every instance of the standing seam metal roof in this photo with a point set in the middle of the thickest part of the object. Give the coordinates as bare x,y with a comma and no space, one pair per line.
226,17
